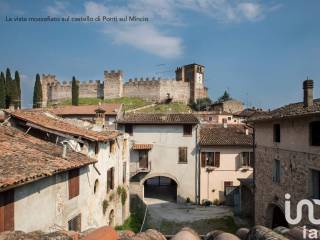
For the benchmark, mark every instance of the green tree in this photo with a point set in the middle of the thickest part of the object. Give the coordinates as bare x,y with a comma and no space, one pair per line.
225,97
37,93
11,90
17,80
75,92
2,91
201,104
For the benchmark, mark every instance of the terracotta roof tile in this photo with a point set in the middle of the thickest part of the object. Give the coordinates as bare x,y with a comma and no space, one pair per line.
287,111
232,135
142,146
109,108
52,122
24,158
159,118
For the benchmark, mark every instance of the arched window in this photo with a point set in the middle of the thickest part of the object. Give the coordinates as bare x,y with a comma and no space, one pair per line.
96,185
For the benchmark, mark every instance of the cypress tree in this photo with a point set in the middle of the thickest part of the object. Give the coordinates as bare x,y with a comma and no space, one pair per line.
17,80
75,92
2,91
8,81
37,93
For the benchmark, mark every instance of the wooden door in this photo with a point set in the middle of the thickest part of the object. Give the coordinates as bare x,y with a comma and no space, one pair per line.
7,211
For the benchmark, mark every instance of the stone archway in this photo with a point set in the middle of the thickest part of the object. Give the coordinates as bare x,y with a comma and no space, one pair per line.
275,216
111,218
160,187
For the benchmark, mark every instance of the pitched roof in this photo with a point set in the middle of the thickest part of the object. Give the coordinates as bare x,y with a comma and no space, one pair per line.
288,111
48,121
109,108
159,118
24,158
232,135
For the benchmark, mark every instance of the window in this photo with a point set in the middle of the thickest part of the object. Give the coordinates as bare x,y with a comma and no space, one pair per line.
187,130
73,183
7,211
96,148
276,133
124,173
315,133
229,118
315,183
183,155
276,171
112,146
143,159
75,224
227,184
96,184
128,129
210,119
110,179
210,159
247,159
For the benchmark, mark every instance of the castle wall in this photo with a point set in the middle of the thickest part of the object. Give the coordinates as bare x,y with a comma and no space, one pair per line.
113,84
178,90
146,89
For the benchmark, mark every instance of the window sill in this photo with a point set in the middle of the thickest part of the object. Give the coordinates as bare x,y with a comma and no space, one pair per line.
182,162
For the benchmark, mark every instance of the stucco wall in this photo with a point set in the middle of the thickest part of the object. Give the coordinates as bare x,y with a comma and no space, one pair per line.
164,158
48,198
212,184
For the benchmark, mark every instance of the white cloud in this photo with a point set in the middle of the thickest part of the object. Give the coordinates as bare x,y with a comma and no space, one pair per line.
149,36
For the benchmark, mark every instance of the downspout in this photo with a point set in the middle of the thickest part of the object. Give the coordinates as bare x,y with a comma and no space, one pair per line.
197,167
254,173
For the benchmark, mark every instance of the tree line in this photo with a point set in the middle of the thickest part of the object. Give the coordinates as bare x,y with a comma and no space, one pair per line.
10,90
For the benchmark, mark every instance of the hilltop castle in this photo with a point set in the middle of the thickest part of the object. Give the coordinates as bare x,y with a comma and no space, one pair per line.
187,86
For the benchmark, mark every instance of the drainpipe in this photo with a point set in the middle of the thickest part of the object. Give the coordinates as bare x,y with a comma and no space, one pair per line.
254,173
197,167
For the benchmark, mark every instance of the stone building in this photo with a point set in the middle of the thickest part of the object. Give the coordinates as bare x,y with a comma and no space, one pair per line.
163,155
226,153
103,185
187,86
287,157
230,106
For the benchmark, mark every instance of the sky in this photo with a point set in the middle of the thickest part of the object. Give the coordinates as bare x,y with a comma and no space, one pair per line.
260,51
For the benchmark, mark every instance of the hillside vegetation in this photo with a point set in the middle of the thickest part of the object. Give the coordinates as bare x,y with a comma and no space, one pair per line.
130,103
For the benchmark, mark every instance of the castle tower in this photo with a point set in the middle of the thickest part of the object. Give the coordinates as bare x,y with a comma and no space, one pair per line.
46,82
194,74
113,84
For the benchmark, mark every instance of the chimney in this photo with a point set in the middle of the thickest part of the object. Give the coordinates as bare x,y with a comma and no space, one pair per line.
308,93
64,152
100,116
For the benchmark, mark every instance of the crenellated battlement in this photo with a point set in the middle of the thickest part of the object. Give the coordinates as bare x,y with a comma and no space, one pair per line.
181,88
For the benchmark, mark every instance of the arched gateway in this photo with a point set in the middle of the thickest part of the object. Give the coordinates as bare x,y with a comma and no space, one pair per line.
160,187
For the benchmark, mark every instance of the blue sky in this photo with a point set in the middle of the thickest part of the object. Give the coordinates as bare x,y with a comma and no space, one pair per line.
260,50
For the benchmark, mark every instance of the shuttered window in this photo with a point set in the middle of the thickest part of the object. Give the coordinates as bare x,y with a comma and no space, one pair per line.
75,224
187,130
129,129
210,159
110,179
74,183
183,155
7,211
247,159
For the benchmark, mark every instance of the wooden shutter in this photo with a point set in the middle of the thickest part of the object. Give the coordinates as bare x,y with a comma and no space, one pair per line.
74,183
108,180
112,178
217,159
203,159
183,154
7,211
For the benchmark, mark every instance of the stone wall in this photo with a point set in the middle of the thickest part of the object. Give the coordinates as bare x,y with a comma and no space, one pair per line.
178,90
295,179
143,88
113,84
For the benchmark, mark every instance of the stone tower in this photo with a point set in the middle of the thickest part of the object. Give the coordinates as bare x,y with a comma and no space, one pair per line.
47,81
194,74
113,84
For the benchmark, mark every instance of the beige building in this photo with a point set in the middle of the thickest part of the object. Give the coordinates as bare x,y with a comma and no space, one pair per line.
226,153
104,185
230,106
163,155
217,117
287,157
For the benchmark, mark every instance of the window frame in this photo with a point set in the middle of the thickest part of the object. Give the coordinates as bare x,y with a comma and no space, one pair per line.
110,179
74,183
187,130
215,159
277,133
183,153
75,221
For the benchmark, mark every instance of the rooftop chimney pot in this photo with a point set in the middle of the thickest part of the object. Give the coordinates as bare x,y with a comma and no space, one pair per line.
308,93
